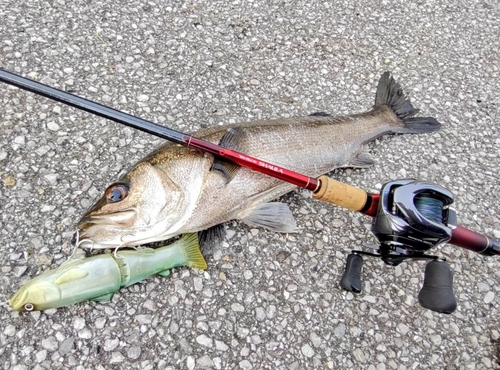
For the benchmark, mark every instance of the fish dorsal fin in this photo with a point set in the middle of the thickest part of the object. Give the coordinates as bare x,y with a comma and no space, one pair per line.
232,139
320,114
274,216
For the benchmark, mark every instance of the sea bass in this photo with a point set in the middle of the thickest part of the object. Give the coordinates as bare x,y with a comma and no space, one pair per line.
176,190
100,276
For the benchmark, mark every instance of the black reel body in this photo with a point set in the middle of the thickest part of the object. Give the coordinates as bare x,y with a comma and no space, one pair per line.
412,217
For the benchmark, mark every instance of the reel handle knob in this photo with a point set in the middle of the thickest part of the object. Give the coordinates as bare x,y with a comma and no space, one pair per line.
351,280
437,291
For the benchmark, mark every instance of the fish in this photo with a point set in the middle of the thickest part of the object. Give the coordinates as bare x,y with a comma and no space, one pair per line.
177,190
99,277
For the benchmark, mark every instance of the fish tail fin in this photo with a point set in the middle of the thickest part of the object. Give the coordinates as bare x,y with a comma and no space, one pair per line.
390,93
192,253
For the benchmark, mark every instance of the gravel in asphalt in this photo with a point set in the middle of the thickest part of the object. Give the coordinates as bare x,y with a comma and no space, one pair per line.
267,300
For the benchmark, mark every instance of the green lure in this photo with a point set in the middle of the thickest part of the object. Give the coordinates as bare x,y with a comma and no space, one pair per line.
100,276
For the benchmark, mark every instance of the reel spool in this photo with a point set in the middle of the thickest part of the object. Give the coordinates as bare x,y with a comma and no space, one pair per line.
412,217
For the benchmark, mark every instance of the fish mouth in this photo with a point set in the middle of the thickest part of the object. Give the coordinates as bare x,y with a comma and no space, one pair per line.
102,231
17,302
109,219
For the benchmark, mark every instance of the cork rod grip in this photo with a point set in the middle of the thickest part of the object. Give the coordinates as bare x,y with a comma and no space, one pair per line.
341,194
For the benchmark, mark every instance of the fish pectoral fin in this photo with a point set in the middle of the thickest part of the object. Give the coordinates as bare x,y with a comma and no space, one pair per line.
105,297
226,168
164,273
233,138
362,160
274,216
192,253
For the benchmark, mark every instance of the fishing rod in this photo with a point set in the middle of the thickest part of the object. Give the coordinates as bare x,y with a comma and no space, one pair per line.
323,188
409,217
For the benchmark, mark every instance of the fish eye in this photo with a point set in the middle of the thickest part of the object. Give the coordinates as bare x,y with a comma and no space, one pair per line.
29,307
116,193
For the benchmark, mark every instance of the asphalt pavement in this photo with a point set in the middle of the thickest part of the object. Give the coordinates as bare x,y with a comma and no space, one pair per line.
267,300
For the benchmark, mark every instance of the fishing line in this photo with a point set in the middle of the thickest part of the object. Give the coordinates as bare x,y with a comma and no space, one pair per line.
77,242
431,208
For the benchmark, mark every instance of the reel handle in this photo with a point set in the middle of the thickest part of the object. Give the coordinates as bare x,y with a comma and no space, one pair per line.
437,291
351,280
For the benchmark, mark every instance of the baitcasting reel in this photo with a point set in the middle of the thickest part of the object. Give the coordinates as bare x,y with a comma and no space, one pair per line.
412,217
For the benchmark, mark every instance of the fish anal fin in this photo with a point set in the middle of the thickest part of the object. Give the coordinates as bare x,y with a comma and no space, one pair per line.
192,253
362,160
105,297
274,216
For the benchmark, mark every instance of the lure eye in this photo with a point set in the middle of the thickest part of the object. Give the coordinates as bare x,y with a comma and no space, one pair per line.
116,193
29,307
